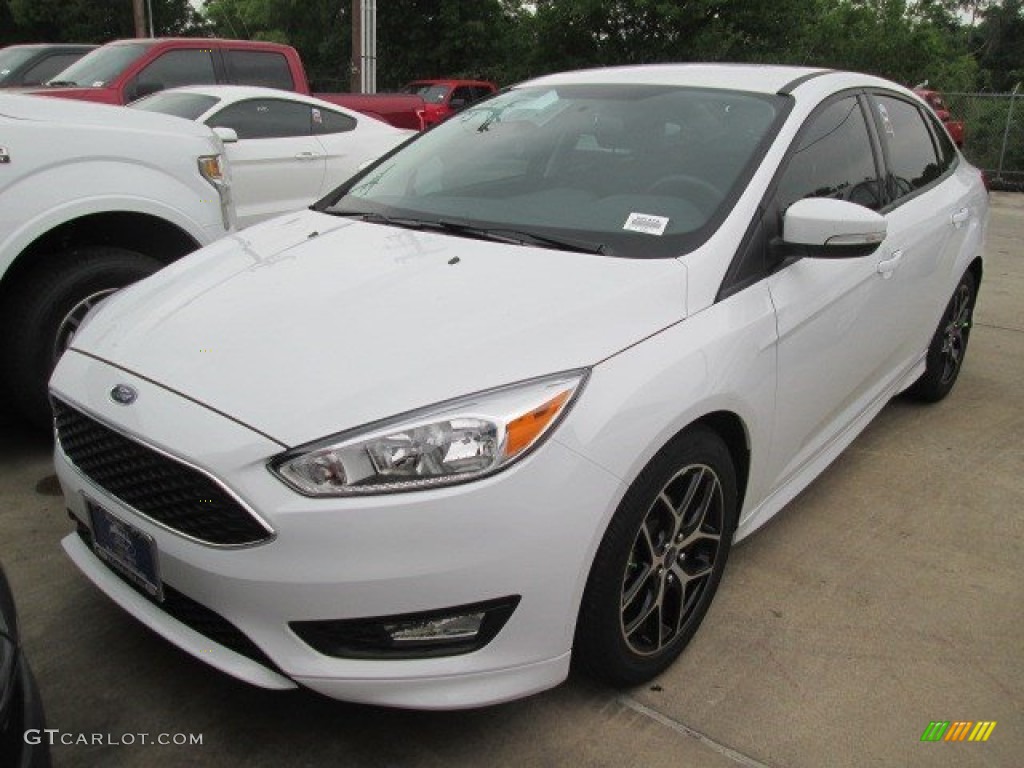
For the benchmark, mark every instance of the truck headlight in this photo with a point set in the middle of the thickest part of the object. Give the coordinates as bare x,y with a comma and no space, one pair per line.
452,442
214,169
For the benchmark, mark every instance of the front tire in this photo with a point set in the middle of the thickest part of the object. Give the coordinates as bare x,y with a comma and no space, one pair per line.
660,562
948,347
48,304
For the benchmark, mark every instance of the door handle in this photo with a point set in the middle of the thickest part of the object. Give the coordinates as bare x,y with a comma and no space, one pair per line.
306,156
887,266
960,218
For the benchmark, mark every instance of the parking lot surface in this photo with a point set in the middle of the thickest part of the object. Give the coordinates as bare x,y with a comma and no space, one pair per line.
887,596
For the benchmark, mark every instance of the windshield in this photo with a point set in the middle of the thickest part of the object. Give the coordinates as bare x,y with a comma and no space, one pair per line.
642,171
431,94
12,58
100,67
187,105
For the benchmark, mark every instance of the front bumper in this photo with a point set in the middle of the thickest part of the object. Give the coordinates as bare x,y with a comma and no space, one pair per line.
530,532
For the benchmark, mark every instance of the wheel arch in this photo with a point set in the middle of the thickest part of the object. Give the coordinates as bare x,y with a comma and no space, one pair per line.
144,233
733,432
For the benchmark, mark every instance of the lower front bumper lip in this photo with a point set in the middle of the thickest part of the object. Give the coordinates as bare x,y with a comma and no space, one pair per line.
184,637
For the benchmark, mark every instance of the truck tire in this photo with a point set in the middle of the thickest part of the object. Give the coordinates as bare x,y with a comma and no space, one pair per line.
44,307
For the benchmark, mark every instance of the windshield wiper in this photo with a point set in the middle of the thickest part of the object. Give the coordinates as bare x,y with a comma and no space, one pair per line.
522,237
492,234
61,84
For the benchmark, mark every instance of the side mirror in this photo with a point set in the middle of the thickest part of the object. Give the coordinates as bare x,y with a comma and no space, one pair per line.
825,228
456,104
226,135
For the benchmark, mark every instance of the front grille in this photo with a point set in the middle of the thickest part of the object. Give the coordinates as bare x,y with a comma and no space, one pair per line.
194,615
165,490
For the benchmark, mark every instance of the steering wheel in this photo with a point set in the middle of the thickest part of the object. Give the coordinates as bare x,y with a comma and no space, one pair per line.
701,193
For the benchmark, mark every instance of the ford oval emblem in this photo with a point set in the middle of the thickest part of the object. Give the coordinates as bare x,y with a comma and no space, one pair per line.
122,394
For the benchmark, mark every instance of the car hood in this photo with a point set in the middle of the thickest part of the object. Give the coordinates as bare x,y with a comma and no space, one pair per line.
310,324
93,115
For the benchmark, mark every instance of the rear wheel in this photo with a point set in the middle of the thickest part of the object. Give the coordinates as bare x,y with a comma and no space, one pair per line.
946,352
46,308
660,562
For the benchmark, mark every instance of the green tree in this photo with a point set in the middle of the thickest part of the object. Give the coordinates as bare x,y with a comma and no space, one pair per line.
88,21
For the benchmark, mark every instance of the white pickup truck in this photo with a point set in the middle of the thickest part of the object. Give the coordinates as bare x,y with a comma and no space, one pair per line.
92,198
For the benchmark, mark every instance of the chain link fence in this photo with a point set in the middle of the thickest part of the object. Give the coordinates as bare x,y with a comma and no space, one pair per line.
993,134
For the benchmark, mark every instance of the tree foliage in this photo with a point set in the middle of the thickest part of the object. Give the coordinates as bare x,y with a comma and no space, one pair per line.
954,44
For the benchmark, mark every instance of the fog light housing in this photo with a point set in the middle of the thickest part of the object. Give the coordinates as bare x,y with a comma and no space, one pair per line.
443,632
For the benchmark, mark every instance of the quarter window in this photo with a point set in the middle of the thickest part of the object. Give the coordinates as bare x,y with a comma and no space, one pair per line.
326,121
264,119
833,159
913,163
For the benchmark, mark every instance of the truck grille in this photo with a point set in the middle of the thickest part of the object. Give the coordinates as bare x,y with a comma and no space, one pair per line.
167,491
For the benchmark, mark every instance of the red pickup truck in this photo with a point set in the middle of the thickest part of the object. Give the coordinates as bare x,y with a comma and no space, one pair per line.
935,101
443,98
126,70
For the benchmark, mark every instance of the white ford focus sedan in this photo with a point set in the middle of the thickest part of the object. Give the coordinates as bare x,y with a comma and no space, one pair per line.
507,397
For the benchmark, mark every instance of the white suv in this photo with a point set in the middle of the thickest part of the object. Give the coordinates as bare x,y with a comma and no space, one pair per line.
92,198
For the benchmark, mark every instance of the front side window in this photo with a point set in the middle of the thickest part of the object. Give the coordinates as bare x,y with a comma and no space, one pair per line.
174,68
913,163
264,119
833,159
102,66
642,171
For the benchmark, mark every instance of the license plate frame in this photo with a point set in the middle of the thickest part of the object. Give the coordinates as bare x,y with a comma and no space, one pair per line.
126,549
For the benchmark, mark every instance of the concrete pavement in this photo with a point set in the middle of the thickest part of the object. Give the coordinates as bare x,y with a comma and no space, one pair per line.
889,594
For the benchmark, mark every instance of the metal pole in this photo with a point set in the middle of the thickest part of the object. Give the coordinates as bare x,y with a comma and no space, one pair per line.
1006,131
139,17
149,8
356,81
368,65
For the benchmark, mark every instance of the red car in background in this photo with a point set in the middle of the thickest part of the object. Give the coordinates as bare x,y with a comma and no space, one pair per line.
443,98
125,70
937,103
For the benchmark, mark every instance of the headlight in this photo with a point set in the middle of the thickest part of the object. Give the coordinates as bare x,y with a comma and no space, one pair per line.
452,442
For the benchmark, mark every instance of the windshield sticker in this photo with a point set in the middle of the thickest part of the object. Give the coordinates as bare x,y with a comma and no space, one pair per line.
97,84
4,72
317,117
646,223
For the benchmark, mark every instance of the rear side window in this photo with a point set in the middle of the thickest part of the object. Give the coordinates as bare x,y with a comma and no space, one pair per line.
264,119
913,163
326,121
833,159
182,67
45,69
264,68
943,144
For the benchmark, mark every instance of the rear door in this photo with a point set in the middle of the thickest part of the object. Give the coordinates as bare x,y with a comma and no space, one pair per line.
277,165
928,214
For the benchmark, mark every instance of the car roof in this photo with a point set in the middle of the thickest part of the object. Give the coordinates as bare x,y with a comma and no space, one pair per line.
73,47
229,94
754,78
450,81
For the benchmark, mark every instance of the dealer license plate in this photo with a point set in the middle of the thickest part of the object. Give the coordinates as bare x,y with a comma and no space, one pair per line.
127,550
